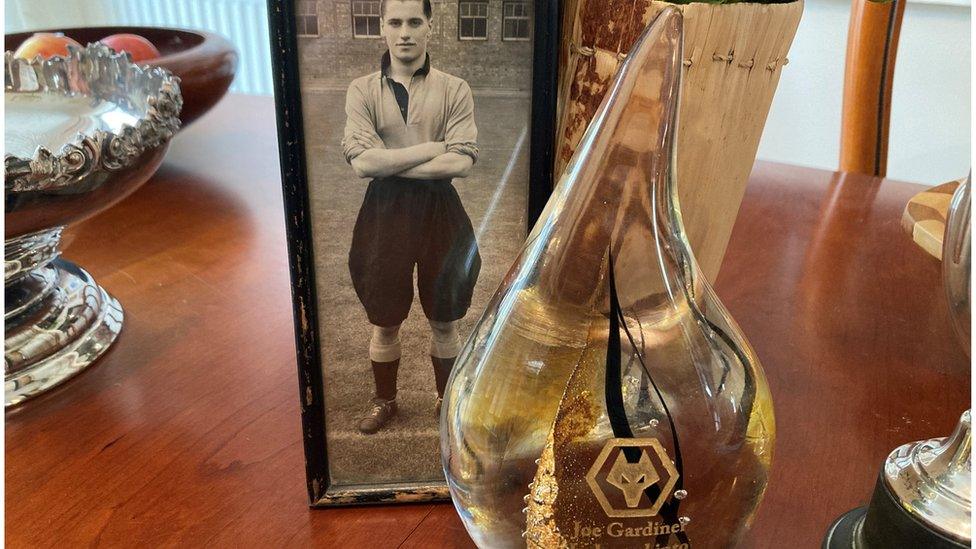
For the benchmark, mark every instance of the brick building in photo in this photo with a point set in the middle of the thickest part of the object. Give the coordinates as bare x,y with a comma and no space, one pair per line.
486,42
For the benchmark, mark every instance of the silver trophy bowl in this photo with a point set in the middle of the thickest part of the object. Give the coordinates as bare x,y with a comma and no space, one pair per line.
81,133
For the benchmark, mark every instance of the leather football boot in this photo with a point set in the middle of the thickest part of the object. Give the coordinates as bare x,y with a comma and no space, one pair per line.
378,416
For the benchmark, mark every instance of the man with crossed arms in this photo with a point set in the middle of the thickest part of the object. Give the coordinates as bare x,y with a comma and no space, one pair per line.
410,128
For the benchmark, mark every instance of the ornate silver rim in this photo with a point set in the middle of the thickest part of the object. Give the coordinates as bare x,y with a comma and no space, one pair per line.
99,72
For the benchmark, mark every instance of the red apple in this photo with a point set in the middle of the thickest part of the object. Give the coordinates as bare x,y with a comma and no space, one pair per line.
46,45
138,47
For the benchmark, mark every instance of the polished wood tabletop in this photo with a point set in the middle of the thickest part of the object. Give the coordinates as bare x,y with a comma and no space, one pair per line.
188,431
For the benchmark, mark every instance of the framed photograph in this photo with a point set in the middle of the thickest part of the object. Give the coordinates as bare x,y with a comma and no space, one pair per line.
416,143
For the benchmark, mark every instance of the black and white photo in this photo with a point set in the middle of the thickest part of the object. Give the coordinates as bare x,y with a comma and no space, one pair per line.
417,139
410,129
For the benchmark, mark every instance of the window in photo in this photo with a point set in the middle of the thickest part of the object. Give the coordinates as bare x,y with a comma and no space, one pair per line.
366,18
515,21
473,20
307,18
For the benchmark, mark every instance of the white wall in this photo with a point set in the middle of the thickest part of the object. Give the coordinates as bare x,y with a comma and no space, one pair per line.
243,22
930,112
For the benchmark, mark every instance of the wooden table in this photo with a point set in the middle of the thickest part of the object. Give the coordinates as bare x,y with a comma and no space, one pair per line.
188,431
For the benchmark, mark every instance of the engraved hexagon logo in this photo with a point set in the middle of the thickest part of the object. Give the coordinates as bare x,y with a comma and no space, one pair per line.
624,471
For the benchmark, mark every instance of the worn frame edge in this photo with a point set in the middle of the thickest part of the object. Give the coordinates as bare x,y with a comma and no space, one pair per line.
379,494
298,229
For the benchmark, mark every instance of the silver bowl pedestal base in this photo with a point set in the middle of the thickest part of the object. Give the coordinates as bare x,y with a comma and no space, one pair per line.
57,320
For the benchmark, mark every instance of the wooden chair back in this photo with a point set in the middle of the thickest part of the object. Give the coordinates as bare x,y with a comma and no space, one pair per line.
872,43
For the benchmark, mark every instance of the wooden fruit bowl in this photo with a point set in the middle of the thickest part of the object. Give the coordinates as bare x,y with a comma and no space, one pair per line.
204,62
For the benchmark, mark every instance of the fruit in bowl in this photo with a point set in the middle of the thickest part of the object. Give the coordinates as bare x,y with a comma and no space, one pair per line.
45,44
51,44
138,47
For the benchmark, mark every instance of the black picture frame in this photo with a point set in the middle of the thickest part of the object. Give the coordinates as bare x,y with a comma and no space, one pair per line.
293,162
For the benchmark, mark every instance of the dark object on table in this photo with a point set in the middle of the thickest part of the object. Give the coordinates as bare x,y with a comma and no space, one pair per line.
921,499
204,62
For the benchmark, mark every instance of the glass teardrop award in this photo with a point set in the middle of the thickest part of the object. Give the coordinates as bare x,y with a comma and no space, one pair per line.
606,398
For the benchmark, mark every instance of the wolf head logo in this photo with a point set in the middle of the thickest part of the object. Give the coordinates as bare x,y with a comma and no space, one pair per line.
632,478
618,484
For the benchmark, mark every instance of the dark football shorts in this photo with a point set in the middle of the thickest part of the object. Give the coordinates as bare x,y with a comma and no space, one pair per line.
405,223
